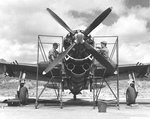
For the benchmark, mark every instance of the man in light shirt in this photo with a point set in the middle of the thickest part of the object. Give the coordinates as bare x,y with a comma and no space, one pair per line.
53,53
104,50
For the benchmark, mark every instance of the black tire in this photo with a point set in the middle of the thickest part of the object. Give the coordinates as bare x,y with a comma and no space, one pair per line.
23,96
130,95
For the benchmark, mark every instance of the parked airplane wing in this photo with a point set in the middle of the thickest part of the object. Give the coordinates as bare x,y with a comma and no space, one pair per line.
140,70
31,69
9,67
13,70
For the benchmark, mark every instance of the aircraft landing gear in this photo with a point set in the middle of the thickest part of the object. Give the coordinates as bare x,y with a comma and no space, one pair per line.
131,93
130,96
23,95
22,92
74,97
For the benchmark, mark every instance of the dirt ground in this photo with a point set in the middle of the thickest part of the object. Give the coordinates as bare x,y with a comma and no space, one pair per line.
74,112
8,87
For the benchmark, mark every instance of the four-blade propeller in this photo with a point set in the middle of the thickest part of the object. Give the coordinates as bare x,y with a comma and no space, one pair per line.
58,59
60,21
97,21
100,58
89,48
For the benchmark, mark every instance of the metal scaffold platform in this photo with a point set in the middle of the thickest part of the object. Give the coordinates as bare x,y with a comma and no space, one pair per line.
56,76
100,73
55,80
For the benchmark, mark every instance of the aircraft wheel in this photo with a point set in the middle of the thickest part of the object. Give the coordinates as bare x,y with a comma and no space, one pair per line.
23,96
130,95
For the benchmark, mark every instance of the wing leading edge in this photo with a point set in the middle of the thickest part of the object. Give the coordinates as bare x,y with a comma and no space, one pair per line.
31,70
13,70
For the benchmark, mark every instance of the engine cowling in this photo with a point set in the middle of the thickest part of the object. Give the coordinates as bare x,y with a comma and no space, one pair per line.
78,67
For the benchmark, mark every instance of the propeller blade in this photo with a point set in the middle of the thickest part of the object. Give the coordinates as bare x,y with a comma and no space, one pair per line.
58,59
100,58
60,21
97,21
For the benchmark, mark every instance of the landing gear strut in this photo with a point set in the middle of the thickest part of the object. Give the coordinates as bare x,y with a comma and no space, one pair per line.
74,97
131,93
22,92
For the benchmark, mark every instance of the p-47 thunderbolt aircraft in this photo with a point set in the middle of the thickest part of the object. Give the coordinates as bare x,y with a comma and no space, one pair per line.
77,60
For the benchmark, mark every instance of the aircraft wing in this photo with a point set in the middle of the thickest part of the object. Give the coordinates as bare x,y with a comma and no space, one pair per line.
8,67
31,69
139,70
13,70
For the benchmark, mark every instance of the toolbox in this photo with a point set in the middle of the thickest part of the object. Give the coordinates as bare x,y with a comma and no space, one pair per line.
13,102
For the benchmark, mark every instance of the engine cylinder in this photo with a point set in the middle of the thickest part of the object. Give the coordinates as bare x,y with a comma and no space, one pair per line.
86,66
70,66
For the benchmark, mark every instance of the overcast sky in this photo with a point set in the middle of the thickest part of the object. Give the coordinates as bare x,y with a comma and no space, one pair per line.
21,21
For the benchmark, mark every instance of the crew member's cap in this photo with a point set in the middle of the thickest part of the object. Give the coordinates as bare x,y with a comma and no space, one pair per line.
55,44
104,42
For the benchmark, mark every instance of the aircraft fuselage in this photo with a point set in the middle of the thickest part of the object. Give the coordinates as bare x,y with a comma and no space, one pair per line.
78,72
77,62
